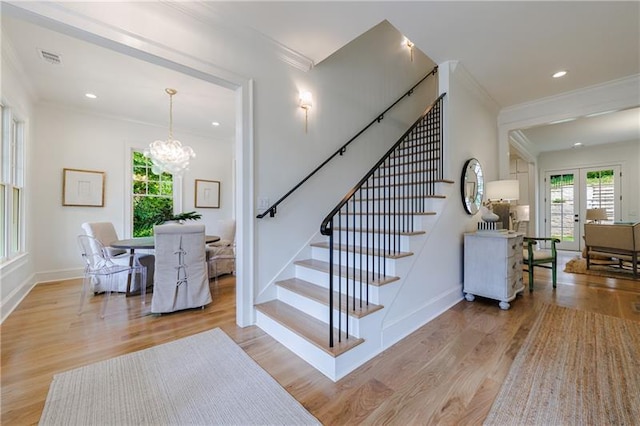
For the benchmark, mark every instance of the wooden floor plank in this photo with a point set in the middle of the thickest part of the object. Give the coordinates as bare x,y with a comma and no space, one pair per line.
412,382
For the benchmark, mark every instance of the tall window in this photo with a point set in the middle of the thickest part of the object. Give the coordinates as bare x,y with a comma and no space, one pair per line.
152,196
11,185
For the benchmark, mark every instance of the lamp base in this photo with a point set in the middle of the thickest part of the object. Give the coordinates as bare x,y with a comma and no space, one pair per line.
489,226
502,210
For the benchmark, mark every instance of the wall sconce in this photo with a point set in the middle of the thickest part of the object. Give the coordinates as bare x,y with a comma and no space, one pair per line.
306,102
410,45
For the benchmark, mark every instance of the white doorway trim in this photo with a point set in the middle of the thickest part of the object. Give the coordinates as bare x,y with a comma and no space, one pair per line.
58,17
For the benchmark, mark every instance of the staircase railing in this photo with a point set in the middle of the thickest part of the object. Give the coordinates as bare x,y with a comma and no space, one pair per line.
372,217
272,210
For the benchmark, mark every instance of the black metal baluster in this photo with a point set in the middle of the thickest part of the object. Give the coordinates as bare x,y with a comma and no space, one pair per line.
339,277
331,283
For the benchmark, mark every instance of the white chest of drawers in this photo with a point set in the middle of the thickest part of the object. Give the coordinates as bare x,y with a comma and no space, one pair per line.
493,266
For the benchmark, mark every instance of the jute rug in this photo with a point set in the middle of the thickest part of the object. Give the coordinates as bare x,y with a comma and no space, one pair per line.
602,269
203,379
574,368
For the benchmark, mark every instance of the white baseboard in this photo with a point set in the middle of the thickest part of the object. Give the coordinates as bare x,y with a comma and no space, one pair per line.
11,302
398,330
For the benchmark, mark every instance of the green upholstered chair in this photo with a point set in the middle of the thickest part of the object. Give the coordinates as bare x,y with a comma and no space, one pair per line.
542,258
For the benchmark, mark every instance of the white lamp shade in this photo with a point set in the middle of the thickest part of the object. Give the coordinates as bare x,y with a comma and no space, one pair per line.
597,214
503,190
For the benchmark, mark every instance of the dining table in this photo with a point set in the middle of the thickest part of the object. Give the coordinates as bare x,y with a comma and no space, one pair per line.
145,243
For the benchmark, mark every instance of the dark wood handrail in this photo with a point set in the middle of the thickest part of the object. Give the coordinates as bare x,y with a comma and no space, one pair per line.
272,210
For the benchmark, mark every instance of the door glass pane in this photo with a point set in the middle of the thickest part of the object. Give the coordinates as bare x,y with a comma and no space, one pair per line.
562,206
601,191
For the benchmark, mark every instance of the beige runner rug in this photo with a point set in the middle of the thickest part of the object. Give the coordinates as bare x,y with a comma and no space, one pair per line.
205,379
574,368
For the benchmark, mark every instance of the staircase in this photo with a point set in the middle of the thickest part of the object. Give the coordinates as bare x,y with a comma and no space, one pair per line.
331,312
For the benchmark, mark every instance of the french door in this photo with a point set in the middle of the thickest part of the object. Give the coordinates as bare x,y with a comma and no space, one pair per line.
569,193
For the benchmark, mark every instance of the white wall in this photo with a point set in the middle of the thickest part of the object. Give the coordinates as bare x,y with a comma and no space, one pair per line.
626,154
66,138
350,88
435,280
17,276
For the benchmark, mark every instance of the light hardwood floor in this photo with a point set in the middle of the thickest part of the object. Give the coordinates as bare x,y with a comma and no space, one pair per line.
447,372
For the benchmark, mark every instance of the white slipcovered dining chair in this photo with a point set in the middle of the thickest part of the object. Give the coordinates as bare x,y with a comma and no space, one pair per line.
106,234
100,267
181,280
221,255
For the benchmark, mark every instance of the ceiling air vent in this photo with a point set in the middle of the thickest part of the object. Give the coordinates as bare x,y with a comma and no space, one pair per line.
52,58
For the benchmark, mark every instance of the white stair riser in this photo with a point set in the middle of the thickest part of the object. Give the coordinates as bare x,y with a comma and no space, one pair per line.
376,191
377,221
363,262
396,205
322,279
371,240
315,356
318,310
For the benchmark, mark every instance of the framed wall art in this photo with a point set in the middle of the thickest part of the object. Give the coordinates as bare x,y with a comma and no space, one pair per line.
83,188
207,194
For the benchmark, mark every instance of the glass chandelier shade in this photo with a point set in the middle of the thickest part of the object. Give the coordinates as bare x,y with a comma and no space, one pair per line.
169,156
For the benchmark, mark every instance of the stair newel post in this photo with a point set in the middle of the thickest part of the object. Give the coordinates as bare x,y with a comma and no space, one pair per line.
331,283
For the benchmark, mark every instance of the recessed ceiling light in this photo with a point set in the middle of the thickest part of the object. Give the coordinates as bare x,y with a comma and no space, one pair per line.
215,124
90,95
595,114
564,120
559,74
577,144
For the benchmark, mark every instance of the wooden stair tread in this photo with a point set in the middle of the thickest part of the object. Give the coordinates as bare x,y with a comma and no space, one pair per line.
375,279
307,327
321,294
381,231
363,250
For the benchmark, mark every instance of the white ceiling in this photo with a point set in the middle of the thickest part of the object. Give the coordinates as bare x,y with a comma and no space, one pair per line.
125,86
511,49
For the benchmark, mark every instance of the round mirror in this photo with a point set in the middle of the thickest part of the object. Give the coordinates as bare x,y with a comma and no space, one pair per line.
472,186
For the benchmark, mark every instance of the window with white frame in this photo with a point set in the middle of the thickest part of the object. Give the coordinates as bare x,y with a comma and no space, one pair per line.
152,195
11,185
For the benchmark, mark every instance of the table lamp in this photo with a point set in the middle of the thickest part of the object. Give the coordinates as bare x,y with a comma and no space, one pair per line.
499,193
596,215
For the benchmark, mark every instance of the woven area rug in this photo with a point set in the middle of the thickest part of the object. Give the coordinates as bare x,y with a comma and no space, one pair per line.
579,266
574,368
203,379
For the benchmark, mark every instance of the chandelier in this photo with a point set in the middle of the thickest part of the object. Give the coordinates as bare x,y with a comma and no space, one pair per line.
169,156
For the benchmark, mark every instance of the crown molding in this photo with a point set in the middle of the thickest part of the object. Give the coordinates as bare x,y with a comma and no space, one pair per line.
207,13
521,143
611,95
